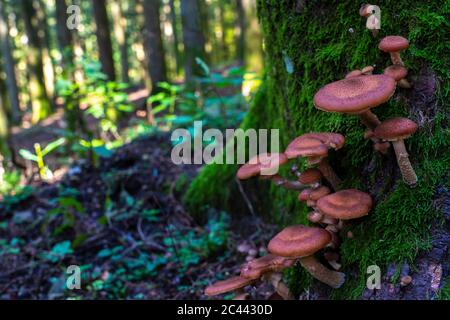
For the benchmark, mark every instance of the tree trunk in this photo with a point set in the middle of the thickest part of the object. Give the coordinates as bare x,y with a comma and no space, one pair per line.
153,44
193,38
8,62
104,38
176,39
38,92
241,23
309,44
65,38
121,34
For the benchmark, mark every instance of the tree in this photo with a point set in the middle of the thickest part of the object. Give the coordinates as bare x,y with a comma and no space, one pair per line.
176,38
308,45
8,61
38,92
153,44
193,38
121,35
104,38
241,24
65,37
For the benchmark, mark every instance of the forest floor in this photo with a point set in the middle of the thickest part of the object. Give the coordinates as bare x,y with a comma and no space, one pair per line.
123,224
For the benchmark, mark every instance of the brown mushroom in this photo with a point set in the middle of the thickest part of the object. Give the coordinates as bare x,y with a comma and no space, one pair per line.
332,259
405,281
311,177
269,268
399,74
315,146
313,195
394,45
231,284
364,71
300,242
366,11
367,70
357,96
345,204
396,130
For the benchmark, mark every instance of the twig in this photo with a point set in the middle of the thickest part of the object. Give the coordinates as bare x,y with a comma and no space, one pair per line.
246,199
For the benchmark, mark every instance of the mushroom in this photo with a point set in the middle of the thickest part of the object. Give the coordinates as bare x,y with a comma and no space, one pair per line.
266,166
394,45
311,177
315,146
300,242
396,130
345,204
399,74
312,195
235,284
405,281
332,259
269,268
364,71
356,95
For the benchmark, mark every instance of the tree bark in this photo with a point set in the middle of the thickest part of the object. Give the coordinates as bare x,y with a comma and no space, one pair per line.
38,92
153,44
8,62
176,39
121,34
193,38
104,38
241,23
64,37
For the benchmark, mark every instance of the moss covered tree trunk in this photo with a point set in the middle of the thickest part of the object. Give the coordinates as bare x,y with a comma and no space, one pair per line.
309,44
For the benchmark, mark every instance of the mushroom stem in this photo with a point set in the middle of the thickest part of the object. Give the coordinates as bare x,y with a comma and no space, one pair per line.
369,119
332,278
408,173
287,184
396,59
241,295
329,174
276,280
403,83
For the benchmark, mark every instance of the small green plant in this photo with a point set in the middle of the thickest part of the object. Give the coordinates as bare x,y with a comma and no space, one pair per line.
38,157
58,252
66,207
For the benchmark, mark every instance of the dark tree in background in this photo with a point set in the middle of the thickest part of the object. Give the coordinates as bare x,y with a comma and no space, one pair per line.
64,36
104,38
121,35
176,38
38,91
153,42
8,66
193,38
242,26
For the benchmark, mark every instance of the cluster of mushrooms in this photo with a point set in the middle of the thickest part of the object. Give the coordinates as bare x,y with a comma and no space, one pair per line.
319,185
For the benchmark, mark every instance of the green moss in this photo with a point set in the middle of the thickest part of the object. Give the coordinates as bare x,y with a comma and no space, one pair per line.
319,42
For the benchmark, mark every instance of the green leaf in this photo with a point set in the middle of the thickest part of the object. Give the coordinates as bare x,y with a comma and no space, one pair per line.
53,145
27,155
202,64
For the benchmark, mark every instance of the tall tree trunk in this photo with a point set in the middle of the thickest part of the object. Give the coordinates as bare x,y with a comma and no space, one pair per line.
121,34
8,61
38,92
241,23
153,44
104,38
193,38
176,39
65,38
223,36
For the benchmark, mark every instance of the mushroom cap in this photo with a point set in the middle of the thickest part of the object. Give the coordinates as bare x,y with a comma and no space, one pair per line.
355,95
354,73
304,195
393,44
299,241
314,145
310,176
396,71
228,285
367,70
269,263
395,129
318,193
262,164
345,204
